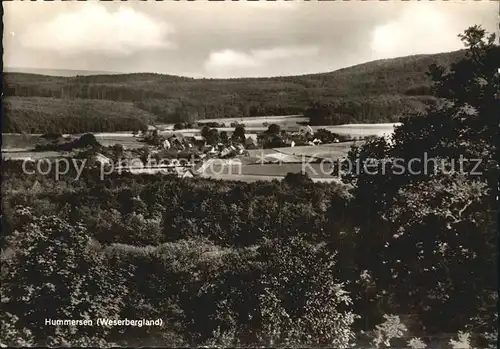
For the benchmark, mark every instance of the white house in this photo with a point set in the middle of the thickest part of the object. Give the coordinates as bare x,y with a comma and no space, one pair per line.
188,174
226,151
304,130
251,141
100,159
240,148
183,173
166,144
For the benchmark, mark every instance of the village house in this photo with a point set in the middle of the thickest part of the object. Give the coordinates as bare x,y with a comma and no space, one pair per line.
200,139
177,141
166,144
99,159
226,152
183,173
240,148
250,143
209,149
196,141
306,131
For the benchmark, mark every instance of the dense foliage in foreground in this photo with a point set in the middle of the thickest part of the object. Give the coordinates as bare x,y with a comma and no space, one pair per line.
275,263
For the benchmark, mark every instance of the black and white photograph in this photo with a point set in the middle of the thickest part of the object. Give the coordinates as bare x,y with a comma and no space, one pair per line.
250,174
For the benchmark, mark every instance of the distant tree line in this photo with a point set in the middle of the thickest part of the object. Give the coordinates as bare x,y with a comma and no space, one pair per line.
365,109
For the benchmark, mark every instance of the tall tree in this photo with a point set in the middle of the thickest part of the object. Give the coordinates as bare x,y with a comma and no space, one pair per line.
274,129
239,133
428,234
224,137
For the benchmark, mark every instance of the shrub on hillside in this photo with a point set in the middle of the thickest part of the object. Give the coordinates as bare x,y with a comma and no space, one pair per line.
303,302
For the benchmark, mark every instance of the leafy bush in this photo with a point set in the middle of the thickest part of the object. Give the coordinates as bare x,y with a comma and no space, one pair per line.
390,329
303,301
463,341
416,343
53,275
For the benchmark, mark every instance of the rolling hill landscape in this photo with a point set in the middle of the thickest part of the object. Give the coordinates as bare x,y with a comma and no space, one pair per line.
355,208
378,91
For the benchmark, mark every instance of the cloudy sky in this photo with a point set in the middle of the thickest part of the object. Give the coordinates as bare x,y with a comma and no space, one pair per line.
231,39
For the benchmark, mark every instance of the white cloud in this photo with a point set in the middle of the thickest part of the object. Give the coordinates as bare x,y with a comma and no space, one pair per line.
95,29
419,29
268,6
285,52
229,59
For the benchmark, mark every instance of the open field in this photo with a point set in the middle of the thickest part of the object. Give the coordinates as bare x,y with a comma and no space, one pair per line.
128,141
197,131
252,124
256,178
379,130
334,150
276,157
217,168
21,154
19,141
16,141
231,170
255,129
259,120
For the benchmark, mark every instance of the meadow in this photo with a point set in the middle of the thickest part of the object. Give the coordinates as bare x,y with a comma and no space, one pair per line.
333,150
218,168
257,121
357,130
250,178
21,154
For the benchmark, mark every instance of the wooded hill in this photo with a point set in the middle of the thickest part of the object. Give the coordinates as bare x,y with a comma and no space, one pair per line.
46,115
378,91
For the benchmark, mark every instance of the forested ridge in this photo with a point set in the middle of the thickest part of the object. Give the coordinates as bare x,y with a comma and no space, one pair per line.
46,115
379,91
